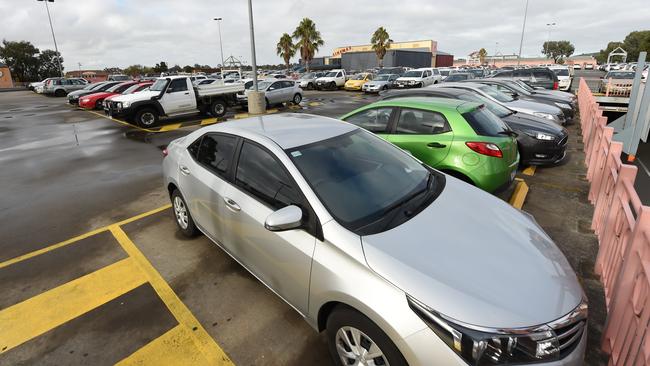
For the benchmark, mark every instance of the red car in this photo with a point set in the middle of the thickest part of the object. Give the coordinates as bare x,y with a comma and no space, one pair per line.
139,86
94,101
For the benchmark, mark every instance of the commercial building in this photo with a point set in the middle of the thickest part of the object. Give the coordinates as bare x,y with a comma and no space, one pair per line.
500,60
422,53
5,77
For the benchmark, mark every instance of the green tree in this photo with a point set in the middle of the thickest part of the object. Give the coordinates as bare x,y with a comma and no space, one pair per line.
286,49
308,40
134,70
48,65
21,58
160,67
557,50
635,42
175,68
187,68
380,41
482,54
601,57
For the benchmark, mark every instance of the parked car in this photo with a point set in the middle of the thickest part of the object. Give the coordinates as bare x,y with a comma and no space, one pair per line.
135,88
196,78
39,84
367,244
276,91
577,66
332,80
357,81
589,66
60,87
399,70
119,77
96,100
540,141
459,76
537,77
308,80
379,83
620,81
564,76
417,78
174,96
542,110
206,81
73,97
511,87
460,138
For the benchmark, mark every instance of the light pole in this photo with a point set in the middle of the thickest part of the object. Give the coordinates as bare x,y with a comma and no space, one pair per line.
56,49
220,41
548,35
523,29
256,102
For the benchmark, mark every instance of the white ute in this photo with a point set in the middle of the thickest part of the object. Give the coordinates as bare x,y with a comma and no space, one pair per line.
332,80
172,96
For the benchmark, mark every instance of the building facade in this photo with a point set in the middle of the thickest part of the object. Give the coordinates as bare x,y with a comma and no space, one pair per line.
426,46
360,61
511,60
5,77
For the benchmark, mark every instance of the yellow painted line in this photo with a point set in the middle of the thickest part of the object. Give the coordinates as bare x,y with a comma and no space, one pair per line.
519,195
209,121
314,104
121,122
170,127
39,314
271,111
241,115
530,170
80,237
176,347
204,343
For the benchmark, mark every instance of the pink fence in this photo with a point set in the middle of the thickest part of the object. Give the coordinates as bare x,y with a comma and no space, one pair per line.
622,225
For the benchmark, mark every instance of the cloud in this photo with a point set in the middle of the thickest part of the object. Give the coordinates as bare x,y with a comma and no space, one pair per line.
103,33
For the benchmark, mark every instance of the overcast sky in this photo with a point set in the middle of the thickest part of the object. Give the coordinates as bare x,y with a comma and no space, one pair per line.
103,33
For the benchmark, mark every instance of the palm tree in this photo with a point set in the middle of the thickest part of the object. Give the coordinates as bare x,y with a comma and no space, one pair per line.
286,49
482,54
308,40
380,43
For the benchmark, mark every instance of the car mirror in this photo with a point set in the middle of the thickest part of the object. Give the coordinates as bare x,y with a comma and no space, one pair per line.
286,218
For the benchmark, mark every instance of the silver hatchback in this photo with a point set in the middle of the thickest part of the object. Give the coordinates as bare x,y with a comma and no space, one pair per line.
398,263
276,91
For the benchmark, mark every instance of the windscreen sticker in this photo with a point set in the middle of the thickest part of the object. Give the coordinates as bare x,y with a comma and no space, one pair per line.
296,154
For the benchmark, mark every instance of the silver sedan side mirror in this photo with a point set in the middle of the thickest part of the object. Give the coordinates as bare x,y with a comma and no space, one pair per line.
286,218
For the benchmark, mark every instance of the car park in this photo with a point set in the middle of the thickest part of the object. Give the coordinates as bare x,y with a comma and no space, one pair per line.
308,80
539,141
268,192
334,79
73,97
417,78
118,77
276,91
616,81
357,81
392,70
564,76
60,87
96,100
380,82
461,138
543,110
567,104
537,77
174,96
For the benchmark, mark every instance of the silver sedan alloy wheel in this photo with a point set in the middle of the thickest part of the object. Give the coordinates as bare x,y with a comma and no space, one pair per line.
356,348
181,213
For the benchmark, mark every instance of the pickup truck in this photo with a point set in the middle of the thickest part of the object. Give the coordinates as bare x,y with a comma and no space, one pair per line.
332,80
173,96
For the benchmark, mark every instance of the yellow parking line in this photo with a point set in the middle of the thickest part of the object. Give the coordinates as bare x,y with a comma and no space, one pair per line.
39,314
315,104
170,127
241,115
270,111
176,347
206,345
122,122
80,237
209,121
519,195
529,170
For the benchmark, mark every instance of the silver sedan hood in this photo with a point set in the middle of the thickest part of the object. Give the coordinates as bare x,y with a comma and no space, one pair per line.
472,257
529,107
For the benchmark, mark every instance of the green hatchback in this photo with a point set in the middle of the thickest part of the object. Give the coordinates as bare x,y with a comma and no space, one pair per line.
463,139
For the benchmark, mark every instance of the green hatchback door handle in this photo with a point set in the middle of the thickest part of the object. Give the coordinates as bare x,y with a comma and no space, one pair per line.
436,145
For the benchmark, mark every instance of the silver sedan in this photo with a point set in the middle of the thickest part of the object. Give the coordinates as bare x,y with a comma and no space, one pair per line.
398,263
275,91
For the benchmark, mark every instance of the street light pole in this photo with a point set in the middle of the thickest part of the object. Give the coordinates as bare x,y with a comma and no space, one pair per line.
523,29
548,35
220,41
256,101
56,48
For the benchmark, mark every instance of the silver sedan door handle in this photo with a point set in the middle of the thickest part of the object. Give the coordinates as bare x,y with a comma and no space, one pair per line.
184,170
231,204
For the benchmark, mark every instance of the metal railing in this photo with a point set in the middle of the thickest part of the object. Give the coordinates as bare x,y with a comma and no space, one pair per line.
622,225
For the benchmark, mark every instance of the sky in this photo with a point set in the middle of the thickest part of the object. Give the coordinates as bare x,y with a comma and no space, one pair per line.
119,33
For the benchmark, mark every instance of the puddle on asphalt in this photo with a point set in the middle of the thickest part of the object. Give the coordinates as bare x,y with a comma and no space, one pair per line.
137,135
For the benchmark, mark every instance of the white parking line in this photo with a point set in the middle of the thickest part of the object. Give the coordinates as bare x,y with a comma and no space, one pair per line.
644,167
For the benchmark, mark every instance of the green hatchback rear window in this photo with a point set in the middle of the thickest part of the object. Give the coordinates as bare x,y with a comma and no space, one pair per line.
485,123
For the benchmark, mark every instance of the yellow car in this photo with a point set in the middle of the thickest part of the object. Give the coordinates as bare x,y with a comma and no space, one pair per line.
357,81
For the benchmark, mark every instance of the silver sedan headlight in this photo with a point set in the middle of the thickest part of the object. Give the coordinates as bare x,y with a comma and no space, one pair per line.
545,115
482,347
563,105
